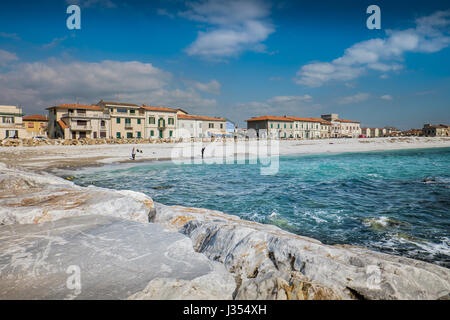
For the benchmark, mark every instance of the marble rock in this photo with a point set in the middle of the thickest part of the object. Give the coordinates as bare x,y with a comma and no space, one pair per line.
29,197
101,257
270,263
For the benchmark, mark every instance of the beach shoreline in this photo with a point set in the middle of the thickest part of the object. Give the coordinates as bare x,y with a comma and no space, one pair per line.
49,158
265,261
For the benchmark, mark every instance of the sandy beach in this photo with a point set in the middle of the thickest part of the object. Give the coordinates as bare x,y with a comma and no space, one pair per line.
64,157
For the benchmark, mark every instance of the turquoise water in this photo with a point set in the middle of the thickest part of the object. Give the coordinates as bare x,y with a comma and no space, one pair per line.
392,201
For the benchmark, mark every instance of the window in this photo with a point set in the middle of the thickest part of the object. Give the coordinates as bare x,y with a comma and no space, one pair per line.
129,135
127,121
151,120
285,125
200,125
152,133
102,123
121,110
171,121
117,120
8,119
291,126
102,134
296,125
138,134
271,125
278,126
221,126
132,111
138,121
118,135
211,125
170,133
112,109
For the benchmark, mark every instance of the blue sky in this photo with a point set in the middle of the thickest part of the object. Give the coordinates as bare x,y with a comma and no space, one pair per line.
235,59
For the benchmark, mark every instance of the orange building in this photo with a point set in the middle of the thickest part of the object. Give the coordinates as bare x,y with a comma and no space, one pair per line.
35,125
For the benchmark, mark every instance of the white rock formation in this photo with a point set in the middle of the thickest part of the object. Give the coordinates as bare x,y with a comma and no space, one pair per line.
274,264
27,197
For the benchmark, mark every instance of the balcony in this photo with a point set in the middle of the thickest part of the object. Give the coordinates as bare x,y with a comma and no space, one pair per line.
80,127
86,116
12,125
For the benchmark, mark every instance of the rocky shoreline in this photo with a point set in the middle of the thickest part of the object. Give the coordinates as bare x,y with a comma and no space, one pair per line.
231,258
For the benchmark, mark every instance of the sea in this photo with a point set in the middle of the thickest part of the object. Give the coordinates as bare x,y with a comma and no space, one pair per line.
396,202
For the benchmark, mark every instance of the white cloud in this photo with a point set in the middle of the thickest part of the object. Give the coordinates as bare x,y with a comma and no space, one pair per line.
359,97
13,36
429,35
40,84
54,42
237,26
164,12
7,57
212,87
386,97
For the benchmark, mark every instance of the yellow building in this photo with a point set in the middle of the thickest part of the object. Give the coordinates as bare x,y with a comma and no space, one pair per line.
35,125
160,122
11,125
74,121
127,119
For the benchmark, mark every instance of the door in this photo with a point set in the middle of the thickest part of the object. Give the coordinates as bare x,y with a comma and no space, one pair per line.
160,133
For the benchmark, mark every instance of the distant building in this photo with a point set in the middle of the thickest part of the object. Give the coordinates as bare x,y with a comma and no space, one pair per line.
160,122
11,125
306,128
366,132
35,125
272,126
325,129
126,119
195,126
74,121
440,130
230,127
341,128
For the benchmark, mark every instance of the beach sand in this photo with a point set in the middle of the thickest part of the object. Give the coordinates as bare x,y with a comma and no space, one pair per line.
66,157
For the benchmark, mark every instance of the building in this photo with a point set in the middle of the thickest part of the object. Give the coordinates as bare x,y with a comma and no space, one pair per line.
195,126
11,125
306,128
366,132
341,128
325,129
440,130
160,122
35,125
272,126
126,119
74,121
230,127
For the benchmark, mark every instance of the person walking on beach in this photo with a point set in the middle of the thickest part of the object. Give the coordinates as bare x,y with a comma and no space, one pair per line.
203,151
133,153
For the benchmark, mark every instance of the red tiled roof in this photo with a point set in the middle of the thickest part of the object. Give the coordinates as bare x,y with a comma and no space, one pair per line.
62,124
111,103
195,117
158,109
76,106
306,119
35,117
349,121
272,118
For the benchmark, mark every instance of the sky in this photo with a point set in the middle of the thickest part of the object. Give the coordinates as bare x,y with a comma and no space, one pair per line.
236,58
